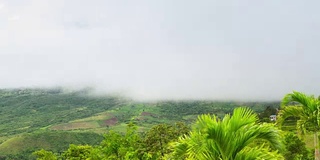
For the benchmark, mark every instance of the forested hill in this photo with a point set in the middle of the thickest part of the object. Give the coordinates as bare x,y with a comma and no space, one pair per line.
24,112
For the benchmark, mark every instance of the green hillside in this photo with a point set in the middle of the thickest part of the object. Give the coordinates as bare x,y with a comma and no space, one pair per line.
31,118
56,141
26,110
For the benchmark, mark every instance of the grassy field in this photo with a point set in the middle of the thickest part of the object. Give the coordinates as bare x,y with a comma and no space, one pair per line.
56,141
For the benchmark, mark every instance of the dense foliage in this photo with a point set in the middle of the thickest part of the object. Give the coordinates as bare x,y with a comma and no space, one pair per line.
132,145
307,109
296,148
232,138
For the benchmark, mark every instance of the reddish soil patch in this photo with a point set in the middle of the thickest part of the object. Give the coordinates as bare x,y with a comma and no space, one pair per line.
139,118
146,114
149,114
111,122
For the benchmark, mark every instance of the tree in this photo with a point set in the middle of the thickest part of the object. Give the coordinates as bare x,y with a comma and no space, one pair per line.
45,155
296,148
118,146
158,137
80,152
265,115
232,138
306,108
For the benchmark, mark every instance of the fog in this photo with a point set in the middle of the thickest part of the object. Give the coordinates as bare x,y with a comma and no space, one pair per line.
151,50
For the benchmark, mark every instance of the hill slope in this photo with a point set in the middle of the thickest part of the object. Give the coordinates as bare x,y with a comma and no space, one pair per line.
31,118
27,110
22,146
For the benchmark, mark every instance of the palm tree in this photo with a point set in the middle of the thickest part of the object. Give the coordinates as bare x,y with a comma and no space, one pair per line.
236,137
306,108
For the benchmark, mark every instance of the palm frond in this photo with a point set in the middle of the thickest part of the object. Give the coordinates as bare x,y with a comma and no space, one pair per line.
307,102
212,138
258,153
288,112
242,116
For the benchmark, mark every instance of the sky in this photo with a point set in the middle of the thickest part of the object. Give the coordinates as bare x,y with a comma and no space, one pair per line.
149,49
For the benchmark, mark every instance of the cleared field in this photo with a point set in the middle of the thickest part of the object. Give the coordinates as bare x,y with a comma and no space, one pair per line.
49,140
116,119
100,116
76,125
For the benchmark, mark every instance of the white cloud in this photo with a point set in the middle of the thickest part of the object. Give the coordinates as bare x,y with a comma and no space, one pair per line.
162,49
14,18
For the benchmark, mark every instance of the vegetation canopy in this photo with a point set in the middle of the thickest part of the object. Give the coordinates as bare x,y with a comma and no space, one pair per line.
234,137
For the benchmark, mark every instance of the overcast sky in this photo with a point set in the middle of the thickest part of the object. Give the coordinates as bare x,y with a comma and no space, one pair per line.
163,49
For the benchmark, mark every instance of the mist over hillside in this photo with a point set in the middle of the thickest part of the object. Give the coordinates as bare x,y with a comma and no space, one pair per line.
162,50
108,79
